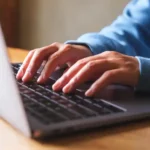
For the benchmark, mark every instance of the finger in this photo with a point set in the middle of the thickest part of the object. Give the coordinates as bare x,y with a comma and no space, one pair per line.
59,58
71,63
66,77
66,66
38,57
109,77
65,70
91,61
24,65
85,74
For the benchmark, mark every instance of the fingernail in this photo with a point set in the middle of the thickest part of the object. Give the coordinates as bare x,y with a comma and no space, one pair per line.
56,85
19,74
67,89
27,76
24,78
89,93
40,79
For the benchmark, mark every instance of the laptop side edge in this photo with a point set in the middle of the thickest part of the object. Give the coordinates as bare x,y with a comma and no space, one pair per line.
11,107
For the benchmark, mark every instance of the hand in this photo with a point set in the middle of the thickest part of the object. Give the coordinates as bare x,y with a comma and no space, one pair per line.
55,55
109,67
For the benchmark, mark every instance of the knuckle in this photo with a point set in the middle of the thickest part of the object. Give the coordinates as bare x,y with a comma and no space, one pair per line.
55,44
106,52
75,80
53,57
40,52
67,47
105,61
81,62
109,53
109,74
32,51
91,64
113,53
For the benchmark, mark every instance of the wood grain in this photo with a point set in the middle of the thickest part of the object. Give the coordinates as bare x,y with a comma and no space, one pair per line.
130,136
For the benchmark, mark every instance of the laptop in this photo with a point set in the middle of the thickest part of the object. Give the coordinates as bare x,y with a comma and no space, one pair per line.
39,112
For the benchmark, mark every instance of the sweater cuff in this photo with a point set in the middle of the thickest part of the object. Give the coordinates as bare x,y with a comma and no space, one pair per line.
144,80
74,42
95,42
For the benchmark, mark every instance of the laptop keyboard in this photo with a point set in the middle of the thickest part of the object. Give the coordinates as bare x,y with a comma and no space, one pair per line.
50,107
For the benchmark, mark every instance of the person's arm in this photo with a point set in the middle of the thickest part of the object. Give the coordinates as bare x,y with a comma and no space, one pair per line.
128,34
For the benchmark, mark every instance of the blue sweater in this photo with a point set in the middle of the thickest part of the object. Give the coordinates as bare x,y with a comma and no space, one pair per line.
128,34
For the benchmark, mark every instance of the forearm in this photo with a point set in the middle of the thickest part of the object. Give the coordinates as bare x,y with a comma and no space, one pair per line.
128,34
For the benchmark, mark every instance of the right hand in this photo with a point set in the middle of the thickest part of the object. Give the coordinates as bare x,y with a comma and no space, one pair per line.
56,54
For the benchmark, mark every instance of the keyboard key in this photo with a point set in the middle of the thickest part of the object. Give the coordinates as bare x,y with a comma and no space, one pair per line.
49,106
109,107
46,118
82,111
97,110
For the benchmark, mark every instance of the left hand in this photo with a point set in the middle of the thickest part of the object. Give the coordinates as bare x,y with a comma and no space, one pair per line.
108,68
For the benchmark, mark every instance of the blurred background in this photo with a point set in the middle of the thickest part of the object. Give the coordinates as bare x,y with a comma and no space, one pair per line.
30,24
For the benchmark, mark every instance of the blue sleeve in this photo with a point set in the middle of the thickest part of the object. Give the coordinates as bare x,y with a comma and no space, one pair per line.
128,34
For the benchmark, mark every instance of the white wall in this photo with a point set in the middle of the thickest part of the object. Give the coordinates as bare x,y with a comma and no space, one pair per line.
45,21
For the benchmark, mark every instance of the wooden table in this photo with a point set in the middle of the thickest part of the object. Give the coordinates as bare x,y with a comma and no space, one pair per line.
131,136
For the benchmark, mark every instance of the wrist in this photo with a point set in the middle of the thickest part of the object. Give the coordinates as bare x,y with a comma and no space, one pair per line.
86,50
84,46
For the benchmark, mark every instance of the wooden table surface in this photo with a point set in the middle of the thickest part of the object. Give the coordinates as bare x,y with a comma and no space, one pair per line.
130,136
